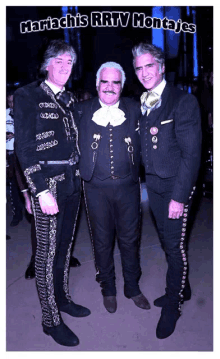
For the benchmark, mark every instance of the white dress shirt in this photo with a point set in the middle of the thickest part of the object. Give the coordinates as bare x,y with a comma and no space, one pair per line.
53,87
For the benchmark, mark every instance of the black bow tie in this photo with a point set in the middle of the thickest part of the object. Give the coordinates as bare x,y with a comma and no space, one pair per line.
63,96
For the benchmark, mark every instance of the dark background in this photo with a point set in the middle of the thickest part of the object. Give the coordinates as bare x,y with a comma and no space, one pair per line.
101,44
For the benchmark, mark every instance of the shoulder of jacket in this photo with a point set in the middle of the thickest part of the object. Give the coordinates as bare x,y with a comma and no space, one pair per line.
31,87
131,105
88,105
177,92
183,95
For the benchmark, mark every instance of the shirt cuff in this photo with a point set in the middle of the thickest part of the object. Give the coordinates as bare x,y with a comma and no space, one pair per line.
40,193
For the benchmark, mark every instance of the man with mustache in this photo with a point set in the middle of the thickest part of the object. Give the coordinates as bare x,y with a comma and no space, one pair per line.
171,145
109,165
46,138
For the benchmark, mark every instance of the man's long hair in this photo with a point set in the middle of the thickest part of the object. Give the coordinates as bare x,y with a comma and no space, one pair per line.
56,48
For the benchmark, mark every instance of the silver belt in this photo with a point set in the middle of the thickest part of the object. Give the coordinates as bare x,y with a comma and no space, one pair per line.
70,162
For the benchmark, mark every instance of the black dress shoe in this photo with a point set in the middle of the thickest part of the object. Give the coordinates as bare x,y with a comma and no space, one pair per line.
74,262
74,310
141,301
167,322
62,335
30,271
161,301
15,220
110,303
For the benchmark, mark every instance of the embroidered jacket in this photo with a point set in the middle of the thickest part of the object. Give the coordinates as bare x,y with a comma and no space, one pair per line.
45,130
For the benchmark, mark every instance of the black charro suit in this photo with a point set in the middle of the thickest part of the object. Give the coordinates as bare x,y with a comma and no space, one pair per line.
42,134
172,162
45,130
110,176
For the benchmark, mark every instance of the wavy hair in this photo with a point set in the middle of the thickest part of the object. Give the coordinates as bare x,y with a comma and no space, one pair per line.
56,48
144,48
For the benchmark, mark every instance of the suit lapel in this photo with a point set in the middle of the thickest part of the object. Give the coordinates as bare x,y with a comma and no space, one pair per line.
92,127
122,106
154,115
95,106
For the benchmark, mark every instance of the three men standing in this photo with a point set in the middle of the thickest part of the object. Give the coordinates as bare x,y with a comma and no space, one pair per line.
171,145
46,138
109,166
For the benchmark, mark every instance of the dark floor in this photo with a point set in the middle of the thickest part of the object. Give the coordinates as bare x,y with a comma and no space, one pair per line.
130,328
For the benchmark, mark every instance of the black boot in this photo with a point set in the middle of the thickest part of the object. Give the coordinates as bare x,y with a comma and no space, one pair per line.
74,310
141,301
30,271
62,335
167,322
161,301
110,303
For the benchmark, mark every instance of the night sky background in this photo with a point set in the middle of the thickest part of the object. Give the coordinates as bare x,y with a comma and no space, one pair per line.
101,44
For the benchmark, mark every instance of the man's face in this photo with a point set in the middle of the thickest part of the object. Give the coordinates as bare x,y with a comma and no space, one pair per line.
148,71
110,86
59,69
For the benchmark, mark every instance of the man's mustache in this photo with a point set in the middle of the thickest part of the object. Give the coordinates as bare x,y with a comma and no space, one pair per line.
110,92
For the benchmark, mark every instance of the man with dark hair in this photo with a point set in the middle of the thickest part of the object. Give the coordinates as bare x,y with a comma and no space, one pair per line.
46,138
109,165
171,145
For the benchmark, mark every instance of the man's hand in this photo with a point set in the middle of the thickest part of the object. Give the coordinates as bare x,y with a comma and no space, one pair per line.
175,209
27,202
48,203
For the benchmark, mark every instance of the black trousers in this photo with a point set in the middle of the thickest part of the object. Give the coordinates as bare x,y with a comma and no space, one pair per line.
172,234
113,207
55,235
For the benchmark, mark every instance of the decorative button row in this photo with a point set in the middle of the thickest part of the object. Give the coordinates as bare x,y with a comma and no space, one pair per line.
111,151
183,254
